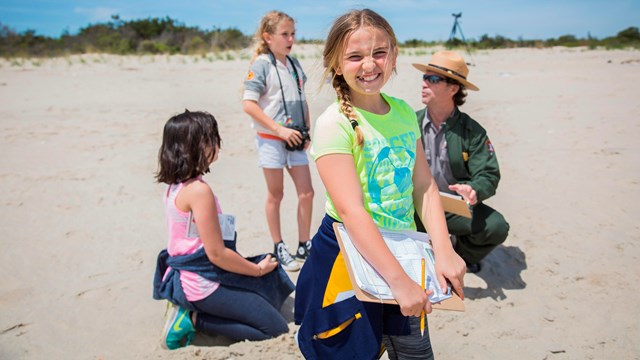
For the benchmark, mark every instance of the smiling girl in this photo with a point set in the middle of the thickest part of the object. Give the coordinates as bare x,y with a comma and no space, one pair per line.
368,153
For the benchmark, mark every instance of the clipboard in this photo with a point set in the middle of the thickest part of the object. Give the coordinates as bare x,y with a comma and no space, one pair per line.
454,204
454,303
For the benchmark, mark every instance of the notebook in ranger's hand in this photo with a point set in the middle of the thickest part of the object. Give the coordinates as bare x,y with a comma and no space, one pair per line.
409,248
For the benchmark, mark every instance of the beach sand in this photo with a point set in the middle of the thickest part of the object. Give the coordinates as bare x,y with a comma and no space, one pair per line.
83,222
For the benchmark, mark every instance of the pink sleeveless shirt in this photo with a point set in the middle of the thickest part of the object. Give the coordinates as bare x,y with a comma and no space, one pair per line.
183,240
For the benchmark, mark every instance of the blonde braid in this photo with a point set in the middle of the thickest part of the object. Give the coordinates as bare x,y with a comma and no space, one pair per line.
342,89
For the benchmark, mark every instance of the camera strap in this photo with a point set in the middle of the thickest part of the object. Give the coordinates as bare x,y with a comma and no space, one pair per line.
297,80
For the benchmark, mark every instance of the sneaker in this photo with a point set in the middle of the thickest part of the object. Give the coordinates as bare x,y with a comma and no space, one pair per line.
177,327
284,258
303,251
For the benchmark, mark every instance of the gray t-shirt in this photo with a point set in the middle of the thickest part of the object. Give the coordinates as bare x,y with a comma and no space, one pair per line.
262,86
435,148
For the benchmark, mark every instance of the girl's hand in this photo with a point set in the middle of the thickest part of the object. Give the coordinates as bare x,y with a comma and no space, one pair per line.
267,265
450,267
411,298
466,191
292,137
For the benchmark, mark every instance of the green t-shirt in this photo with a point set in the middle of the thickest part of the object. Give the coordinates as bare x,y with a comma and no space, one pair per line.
384,164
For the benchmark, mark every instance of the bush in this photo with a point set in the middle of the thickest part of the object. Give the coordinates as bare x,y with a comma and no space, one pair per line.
629,35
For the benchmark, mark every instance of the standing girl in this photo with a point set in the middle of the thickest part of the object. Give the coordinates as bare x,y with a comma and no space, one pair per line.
208,285
368,153
274,98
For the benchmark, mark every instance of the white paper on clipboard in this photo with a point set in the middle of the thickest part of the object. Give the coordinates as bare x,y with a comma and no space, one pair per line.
227,227
409,248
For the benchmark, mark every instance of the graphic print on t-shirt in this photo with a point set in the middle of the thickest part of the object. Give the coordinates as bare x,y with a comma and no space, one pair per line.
390,183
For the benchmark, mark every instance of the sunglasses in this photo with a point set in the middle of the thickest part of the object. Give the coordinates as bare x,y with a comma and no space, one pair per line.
433,79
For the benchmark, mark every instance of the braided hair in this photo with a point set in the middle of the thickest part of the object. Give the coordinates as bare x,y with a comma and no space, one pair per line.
344,99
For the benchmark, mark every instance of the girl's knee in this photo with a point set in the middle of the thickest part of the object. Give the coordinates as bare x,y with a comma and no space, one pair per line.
306,196
275,196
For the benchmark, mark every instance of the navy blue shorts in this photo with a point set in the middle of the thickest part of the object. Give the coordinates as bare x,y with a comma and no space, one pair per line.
334,324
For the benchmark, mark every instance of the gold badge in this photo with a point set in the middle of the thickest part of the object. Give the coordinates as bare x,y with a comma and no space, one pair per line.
465,156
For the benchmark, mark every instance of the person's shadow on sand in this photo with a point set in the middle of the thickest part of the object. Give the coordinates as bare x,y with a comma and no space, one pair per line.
500,270
203,339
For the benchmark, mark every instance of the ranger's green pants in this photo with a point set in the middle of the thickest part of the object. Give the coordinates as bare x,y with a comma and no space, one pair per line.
477,236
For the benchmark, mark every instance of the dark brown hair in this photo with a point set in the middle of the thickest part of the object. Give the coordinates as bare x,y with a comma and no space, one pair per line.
189,143
460,97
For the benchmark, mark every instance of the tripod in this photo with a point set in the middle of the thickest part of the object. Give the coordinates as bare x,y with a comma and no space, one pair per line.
452,36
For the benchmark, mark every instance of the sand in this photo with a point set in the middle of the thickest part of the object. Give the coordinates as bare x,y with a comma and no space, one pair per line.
82,217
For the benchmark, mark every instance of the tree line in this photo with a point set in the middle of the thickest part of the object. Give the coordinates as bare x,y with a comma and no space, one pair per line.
627,38
143,36
170,36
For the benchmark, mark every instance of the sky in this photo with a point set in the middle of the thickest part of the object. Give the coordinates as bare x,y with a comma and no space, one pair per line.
429,20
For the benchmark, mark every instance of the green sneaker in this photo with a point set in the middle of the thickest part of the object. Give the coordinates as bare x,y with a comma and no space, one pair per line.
177,327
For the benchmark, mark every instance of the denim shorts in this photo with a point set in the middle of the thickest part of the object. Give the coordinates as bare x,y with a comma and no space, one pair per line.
273,155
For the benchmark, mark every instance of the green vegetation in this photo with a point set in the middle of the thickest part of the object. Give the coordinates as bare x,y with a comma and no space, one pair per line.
169,36
146,36
628,38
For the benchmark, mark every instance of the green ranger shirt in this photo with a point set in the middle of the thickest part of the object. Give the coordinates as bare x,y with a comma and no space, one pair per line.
471,156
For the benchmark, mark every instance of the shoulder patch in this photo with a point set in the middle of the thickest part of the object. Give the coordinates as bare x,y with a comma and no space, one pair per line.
490,148
250,75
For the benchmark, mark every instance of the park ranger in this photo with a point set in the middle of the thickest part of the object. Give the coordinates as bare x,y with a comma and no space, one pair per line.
461,157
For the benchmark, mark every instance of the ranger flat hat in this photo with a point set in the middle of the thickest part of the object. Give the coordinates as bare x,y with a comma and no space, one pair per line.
449,64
